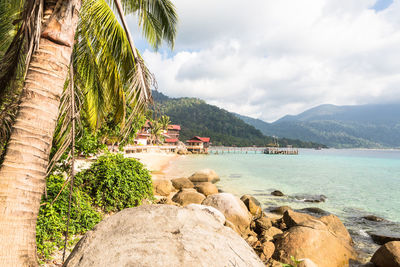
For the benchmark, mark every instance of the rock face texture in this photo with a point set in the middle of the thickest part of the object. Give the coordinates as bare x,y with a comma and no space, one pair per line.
387,255
233,209
207,188
160,235
205,175
162,187
180,183
325,241
213,211
252,204
188,196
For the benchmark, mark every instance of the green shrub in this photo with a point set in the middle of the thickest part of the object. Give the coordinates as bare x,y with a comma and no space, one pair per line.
115,182
88,144
52,219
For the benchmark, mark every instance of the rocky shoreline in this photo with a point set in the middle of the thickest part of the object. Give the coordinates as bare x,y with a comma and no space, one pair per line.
277,237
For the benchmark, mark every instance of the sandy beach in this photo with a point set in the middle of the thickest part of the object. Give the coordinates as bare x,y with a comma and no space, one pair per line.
156,163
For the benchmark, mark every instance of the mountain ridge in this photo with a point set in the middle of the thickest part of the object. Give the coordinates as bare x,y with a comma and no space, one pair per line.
368,126
196,117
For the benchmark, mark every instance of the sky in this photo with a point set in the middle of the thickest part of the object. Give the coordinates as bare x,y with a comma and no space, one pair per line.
267,58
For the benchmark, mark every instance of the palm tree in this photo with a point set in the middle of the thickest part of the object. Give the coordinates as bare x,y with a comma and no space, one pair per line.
41,42
165,122
155,131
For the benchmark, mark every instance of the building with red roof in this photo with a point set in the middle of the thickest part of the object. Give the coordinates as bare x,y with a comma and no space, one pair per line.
173,131
198,144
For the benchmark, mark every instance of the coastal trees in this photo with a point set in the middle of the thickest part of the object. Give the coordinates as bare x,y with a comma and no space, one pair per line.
165,122
42,43
155,131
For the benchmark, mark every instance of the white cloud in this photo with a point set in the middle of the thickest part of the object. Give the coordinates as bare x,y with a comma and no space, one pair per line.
267,58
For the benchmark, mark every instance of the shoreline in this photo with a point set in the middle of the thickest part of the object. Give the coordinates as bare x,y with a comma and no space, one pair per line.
156,162
361,245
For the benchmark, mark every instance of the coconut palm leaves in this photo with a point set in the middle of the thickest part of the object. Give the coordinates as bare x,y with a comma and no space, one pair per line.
109,73
165,122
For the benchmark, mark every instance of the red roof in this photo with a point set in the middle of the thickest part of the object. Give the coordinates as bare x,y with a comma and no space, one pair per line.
174,127
172,140
198,139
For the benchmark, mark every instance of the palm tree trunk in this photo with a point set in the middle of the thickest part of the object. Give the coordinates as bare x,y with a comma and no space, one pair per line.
22,174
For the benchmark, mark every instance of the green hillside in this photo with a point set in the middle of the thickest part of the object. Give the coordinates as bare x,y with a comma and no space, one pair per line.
196,117
366,126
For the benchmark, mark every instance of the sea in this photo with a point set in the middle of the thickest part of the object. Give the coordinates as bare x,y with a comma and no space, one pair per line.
353,182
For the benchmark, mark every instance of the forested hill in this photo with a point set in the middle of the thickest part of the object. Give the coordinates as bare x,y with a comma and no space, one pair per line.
367,126
196,117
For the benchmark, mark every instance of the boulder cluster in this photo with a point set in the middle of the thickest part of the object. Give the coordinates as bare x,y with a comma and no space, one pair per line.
193,230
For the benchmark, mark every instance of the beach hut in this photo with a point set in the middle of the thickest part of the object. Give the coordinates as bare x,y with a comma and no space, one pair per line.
198,144
173,131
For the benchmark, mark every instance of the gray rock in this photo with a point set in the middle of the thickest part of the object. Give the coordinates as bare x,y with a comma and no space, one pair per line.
162,235
382,237
373,218
188,196
206,188
211,210
205,175
277,193
180,183
162,187
232,207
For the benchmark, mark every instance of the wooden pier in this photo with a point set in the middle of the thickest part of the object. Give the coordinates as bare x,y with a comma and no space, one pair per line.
253,150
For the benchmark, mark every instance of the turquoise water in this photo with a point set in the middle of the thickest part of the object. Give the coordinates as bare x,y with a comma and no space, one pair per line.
355,182
367,181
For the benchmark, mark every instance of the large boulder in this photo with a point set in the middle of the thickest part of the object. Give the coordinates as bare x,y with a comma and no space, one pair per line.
206,188
211,210
387,255
252,204
233,209
188,196
162,187
180,183
318,244
336,226
205,175
160,235
292,218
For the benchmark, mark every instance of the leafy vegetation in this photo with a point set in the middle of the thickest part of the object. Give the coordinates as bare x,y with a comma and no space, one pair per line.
196,117
52,219
115,182
112,183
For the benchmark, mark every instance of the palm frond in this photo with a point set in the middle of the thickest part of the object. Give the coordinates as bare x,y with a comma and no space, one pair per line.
157,18
20,27
108,67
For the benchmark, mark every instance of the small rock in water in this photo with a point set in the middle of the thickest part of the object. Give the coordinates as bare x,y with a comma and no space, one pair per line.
277,193
311,198
382,237
373,218
315,210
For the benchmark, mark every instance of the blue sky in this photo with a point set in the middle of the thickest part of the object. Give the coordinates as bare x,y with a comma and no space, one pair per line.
382,4
273,58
